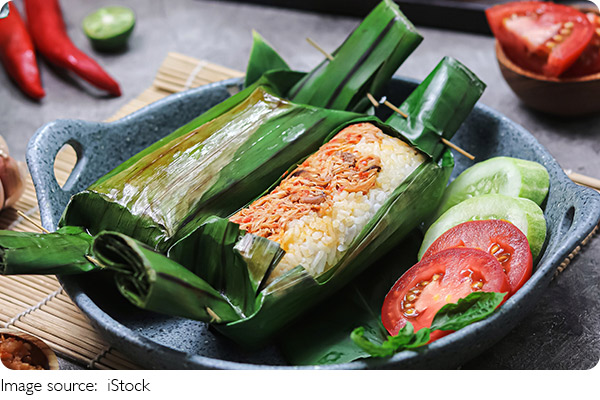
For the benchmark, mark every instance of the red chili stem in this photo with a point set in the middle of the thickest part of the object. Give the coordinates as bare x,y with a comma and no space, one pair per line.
49,34
18,55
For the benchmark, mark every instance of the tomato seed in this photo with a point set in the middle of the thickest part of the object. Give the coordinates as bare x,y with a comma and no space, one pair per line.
411,297
550,45
424,283
504,257
565,32
494,249
558,38
569,25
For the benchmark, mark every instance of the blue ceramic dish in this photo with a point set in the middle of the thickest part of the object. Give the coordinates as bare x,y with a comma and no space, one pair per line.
159,341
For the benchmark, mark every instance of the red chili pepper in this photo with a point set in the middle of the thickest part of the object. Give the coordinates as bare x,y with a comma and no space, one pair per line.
17,54
50,37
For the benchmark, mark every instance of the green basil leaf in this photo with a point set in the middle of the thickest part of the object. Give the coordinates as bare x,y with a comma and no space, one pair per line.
406,338
475,307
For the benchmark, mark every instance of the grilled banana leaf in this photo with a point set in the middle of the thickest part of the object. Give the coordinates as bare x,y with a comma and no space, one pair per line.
63,251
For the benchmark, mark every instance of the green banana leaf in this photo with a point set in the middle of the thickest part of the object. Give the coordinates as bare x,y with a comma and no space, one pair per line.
263,58
150,280
208,171
62,251
438,106
363,64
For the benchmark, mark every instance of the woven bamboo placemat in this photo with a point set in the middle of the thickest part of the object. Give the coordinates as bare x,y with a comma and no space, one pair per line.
37,304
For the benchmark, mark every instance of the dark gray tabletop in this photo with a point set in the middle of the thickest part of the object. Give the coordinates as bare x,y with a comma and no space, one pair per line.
563,332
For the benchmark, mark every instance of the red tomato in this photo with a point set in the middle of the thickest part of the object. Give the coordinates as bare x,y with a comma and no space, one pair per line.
589,61
542,37
500,238
435,281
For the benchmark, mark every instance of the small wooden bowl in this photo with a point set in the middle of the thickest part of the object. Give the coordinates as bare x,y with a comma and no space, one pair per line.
41,353
565,97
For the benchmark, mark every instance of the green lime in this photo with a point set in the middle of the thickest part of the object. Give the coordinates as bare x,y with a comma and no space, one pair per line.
108,28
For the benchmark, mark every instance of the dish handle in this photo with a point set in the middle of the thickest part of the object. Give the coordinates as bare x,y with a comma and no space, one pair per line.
575,216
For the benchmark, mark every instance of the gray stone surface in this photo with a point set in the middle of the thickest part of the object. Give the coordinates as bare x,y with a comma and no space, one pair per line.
564,330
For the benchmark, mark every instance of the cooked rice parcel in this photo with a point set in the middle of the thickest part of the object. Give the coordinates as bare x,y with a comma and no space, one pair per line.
320,208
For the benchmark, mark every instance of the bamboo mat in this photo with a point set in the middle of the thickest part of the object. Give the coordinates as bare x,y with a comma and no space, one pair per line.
37,304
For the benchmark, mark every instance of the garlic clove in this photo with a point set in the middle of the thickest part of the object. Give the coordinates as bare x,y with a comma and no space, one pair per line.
12,180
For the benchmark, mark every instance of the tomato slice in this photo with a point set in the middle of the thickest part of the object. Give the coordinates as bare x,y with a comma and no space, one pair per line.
500,238
589,61
443,278
542,37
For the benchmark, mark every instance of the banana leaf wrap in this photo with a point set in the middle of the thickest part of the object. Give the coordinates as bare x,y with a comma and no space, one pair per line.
207,171
363,64
438,106
150,280
236,264
209,252
63,251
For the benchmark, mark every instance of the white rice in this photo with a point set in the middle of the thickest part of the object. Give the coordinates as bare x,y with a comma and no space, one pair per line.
319,242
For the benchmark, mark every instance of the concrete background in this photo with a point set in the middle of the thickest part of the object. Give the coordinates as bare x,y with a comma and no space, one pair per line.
564,330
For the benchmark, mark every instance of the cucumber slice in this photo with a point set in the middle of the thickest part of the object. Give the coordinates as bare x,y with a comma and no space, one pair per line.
523,213
108,28
503,175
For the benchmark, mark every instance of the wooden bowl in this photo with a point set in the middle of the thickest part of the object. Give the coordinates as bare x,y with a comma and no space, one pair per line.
41,353
565,97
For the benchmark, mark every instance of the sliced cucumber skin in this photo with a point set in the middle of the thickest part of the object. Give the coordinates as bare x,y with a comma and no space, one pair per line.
523,213
513,177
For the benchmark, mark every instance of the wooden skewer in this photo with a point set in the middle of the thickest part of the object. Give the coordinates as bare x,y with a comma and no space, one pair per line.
391,106
584,180
458,149
30,220
316,46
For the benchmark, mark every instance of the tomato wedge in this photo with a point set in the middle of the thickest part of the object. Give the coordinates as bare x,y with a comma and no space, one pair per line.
500,238
589,61
542,37
443,278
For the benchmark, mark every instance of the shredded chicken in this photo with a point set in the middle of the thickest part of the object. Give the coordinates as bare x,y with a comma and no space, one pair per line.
336,167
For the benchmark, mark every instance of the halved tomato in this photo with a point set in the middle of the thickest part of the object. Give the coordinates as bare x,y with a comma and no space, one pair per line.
500,238
443,278
589,61
542,37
